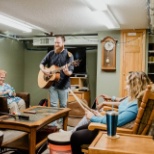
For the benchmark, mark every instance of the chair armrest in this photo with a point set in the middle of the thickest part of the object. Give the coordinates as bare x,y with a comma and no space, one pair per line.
109,108
93,126
25,96
3,105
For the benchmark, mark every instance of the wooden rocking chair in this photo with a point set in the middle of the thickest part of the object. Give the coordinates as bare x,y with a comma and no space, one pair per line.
142,122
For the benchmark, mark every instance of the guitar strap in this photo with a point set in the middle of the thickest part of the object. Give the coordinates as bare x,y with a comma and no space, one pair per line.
69,54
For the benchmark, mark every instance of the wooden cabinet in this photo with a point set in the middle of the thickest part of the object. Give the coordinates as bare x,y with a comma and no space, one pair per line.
81,95
79,82
79,85
80,88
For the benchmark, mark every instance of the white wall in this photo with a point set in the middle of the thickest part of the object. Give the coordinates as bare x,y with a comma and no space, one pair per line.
31,65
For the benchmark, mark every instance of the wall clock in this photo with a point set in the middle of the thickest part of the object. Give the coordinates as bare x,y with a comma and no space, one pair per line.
109,45
109,54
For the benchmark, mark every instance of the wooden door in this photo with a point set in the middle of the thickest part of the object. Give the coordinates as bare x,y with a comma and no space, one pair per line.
132,54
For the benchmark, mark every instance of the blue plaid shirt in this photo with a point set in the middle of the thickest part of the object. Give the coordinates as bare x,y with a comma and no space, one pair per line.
10,97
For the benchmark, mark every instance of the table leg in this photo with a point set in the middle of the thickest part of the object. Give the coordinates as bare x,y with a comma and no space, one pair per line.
65,122
32,141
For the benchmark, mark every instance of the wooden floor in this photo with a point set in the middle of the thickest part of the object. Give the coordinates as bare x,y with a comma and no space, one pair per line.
46,151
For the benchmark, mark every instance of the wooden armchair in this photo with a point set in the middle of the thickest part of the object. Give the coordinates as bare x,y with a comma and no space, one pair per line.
23,95
142,122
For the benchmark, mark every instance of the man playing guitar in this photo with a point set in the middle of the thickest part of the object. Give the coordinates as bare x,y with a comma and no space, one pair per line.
59,57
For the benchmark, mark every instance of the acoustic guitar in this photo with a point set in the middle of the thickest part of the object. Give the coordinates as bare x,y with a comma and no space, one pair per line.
45,81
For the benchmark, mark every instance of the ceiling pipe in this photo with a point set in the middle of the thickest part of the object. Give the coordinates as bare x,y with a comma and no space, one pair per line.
7,36
25,39
16,37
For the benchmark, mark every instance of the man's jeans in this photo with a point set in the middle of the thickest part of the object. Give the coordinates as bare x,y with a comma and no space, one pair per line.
58,95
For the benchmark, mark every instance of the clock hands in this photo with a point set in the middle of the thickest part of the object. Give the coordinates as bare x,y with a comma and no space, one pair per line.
109,45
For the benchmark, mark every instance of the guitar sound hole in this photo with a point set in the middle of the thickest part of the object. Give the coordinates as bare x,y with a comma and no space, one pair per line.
46,78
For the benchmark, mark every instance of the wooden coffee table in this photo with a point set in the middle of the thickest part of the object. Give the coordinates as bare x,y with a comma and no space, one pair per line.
33,138
125,144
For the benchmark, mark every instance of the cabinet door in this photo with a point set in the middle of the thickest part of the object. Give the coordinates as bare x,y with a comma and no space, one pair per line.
81,95
71,97
132,54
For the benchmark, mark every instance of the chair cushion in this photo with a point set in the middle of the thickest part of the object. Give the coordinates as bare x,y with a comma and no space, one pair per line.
129,125
25,96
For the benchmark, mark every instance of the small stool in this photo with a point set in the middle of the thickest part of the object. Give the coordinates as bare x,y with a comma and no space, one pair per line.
59,143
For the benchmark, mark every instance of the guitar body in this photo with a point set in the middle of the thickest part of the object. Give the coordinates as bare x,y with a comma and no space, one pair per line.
45,81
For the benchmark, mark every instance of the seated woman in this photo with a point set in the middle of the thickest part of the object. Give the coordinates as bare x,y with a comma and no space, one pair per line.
15,104
127,108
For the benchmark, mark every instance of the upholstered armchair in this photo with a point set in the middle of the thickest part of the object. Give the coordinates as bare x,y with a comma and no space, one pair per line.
23,95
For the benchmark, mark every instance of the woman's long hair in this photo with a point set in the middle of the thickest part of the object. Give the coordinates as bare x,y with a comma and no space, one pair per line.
137,82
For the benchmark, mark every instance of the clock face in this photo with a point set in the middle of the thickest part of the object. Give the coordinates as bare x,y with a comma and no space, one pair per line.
109,45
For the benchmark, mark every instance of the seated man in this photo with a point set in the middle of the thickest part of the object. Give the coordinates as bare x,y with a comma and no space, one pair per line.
127,108
15,104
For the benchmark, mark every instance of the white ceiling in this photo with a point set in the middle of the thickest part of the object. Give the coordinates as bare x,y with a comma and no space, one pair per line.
72,16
